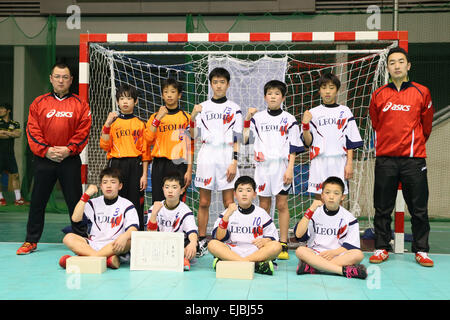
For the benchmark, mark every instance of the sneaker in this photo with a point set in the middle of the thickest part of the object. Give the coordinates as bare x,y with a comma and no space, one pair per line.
124,258
355,271
215,263
21,202
113,262
423,259
379,256
304,268
284,254
202,248
27,248
264,267
187,265
62,261
2,202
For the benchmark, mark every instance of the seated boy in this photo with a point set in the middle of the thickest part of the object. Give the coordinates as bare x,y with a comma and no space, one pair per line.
173,215
277,141
112,219
332,235
245,232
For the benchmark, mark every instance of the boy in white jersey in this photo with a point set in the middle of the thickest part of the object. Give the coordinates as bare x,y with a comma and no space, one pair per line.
276,141
245,232
173,215
218,123
331,133
112,219
332,235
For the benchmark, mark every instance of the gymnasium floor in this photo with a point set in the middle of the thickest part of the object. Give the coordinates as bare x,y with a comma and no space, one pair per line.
38,276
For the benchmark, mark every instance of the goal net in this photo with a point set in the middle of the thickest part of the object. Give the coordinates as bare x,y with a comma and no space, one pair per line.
359,66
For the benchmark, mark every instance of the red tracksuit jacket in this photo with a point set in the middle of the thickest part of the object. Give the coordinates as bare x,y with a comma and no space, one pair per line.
54,121
402,120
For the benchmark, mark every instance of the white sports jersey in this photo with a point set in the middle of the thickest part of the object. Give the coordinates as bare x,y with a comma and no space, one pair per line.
244,226
334,131
179,219
219,123
107,222
328,232
275,137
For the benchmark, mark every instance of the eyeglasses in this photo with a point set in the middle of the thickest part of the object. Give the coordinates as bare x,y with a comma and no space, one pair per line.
57,77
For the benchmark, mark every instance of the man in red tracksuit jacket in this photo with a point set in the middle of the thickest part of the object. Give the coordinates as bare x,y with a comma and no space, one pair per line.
402,116
57,130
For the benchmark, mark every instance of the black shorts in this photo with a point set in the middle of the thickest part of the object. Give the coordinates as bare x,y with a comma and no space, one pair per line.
160,168
8,163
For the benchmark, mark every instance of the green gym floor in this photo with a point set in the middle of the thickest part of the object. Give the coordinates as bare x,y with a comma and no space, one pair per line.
37,276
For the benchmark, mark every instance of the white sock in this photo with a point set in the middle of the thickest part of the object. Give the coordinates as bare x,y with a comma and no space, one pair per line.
17,193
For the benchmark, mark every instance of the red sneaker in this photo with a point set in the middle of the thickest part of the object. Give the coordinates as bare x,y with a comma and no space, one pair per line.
2,202
187,265
62,261
21,202
113,262
379,256
27,248
423,259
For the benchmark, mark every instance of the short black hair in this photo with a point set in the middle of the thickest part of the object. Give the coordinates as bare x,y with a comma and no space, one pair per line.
111,172
7,106
172,82
276,84
61,65
329,77
174,176
334,180
125,90
219,72
395,50
245,180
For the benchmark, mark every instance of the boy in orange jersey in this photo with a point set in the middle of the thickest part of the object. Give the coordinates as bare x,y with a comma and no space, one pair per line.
167,131
123,140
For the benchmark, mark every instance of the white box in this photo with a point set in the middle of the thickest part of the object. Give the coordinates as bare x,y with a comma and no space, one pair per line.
235,270
85,264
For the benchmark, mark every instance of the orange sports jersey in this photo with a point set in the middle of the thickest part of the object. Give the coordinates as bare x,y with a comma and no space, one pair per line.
126,139
171,139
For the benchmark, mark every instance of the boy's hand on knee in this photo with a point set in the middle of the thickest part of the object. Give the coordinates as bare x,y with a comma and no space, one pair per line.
328,254
260,242
190,250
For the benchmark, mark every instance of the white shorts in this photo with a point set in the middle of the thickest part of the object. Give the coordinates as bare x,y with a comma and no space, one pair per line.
212,166
97,245
269,178
323,167
243,249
